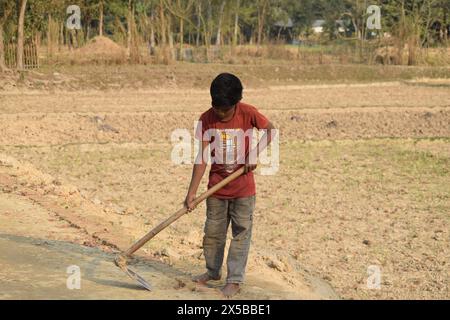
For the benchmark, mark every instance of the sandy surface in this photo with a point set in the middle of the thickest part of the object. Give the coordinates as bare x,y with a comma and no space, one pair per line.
363,181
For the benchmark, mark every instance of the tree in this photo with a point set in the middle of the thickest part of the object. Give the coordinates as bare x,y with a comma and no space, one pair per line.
219,24
5,11
262,11
100,24
2,50
129,26
23,6
180,9
236,22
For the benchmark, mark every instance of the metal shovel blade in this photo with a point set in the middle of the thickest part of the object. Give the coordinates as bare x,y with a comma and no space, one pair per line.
120,261
133,275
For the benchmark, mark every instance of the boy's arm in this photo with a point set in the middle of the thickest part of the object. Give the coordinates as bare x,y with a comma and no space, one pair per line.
265,140
197,174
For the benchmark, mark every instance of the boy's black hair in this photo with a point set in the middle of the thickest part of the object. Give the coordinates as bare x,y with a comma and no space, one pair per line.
226,91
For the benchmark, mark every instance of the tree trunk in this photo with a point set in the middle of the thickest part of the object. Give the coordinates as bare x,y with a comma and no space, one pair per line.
20,35
49,37
67,38
236,23
73,34
170,36
61,37
210,23
37,40
426,30
88,33
219,25
2,51
261,20
6,13
445,25
163,23
100,26
199,23
129,29
152,34
181,38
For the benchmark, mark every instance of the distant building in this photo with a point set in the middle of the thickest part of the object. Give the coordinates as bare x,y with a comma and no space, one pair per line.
283,30
284,24
318,26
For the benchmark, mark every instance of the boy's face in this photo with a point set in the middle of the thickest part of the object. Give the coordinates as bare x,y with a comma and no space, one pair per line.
224,114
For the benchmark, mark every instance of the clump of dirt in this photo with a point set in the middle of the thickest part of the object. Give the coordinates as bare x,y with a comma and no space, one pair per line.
100,49
8,81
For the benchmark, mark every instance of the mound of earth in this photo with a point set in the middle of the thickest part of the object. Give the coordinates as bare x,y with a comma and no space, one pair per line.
100,49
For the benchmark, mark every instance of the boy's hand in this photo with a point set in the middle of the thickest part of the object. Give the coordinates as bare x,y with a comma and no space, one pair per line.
188,202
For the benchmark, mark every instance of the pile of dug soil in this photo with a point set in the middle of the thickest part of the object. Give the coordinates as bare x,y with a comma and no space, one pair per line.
100,49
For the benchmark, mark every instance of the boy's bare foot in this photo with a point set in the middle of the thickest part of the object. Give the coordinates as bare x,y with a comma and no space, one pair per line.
203,279
230,289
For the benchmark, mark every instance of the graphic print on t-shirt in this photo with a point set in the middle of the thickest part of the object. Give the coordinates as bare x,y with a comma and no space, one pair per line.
229,145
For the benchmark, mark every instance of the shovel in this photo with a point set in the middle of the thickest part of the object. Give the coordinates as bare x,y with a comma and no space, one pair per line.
121,259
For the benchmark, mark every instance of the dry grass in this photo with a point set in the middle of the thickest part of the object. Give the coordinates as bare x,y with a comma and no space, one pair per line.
191,75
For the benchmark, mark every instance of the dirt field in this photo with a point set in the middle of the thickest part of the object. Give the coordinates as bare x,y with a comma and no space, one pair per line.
363,180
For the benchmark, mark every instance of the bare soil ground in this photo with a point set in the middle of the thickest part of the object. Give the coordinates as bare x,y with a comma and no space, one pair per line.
363,180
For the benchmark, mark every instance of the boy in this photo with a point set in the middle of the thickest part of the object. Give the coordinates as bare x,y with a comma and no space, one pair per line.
236,201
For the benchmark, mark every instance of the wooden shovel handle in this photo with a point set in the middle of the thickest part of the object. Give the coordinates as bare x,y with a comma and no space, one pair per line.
164,224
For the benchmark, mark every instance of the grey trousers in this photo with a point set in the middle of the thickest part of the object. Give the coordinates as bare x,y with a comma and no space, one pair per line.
219,213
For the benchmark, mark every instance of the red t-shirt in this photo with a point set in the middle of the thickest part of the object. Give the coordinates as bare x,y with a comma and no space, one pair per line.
229,140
